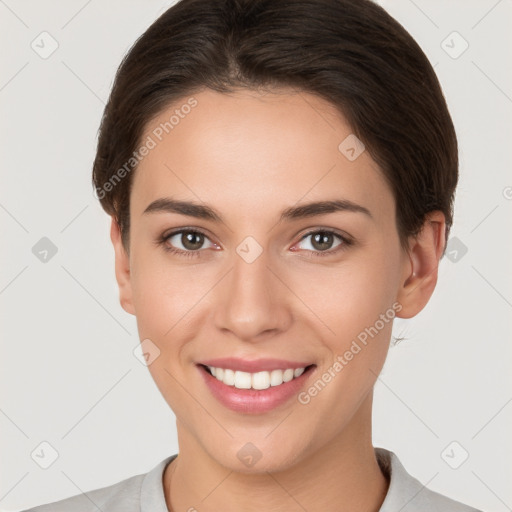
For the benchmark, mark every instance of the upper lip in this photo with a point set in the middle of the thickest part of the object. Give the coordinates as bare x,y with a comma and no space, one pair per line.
253,366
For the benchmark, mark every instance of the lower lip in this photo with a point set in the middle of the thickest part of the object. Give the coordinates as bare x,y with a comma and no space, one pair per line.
253,401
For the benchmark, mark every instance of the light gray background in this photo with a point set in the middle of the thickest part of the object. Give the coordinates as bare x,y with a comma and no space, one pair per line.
68,374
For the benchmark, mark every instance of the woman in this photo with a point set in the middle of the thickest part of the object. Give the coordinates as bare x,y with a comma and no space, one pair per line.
280,177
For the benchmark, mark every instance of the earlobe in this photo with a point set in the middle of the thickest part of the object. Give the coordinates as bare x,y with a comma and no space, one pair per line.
421,269
122,269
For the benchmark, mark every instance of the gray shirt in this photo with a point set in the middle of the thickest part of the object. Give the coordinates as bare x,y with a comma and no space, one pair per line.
145,493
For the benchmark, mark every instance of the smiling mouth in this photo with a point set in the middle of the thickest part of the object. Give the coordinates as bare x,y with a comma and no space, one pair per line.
258,380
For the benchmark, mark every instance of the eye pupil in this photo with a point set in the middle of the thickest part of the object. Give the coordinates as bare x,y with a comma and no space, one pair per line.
322,240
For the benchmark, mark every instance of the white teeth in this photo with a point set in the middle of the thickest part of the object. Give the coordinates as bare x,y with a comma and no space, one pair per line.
298,372
259,380
276,377
288,375
228,377
242,380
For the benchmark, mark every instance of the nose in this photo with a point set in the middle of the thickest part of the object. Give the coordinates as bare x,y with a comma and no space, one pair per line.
252,301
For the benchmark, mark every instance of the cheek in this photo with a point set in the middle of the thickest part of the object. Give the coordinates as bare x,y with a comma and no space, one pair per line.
356,303
164,292
172,301
167,300
349,297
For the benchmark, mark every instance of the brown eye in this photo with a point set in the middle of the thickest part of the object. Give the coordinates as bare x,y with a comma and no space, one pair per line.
323,242
186,241
192,240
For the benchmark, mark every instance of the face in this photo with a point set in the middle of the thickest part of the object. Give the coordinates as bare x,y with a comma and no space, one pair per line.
251,290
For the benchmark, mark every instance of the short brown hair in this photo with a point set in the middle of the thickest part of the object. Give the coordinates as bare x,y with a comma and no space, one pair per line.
351,53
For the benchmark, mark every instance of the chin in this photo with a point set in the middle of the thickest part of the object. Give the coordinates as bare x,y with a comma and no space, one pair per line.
253,458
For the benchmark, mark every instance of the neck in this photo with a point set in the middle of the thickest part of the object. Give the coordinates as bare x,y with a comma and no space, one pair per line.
344,471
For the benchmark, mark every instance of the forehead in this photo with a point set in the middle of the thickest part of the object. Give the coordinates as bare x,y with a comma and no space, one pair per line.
249,150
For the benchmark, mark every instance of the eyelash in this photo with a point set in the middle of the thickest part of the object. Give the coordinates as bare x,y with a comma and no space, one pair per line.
346,243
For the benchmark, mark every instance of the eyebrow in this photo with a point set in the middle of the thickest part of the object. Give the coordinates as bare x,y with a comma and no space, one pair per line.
202,211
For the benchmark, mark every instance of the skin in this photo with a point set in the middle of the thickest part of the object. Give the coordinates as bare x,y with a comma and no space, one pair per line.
250,155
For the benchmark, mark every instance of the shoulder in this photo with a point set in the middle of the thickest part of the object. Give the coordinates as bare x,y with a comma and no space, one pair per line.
408,494
123,496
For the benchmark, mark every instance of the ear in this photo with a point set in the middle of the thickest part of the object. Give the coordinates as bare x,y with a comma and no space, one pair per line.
122,266
420,271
